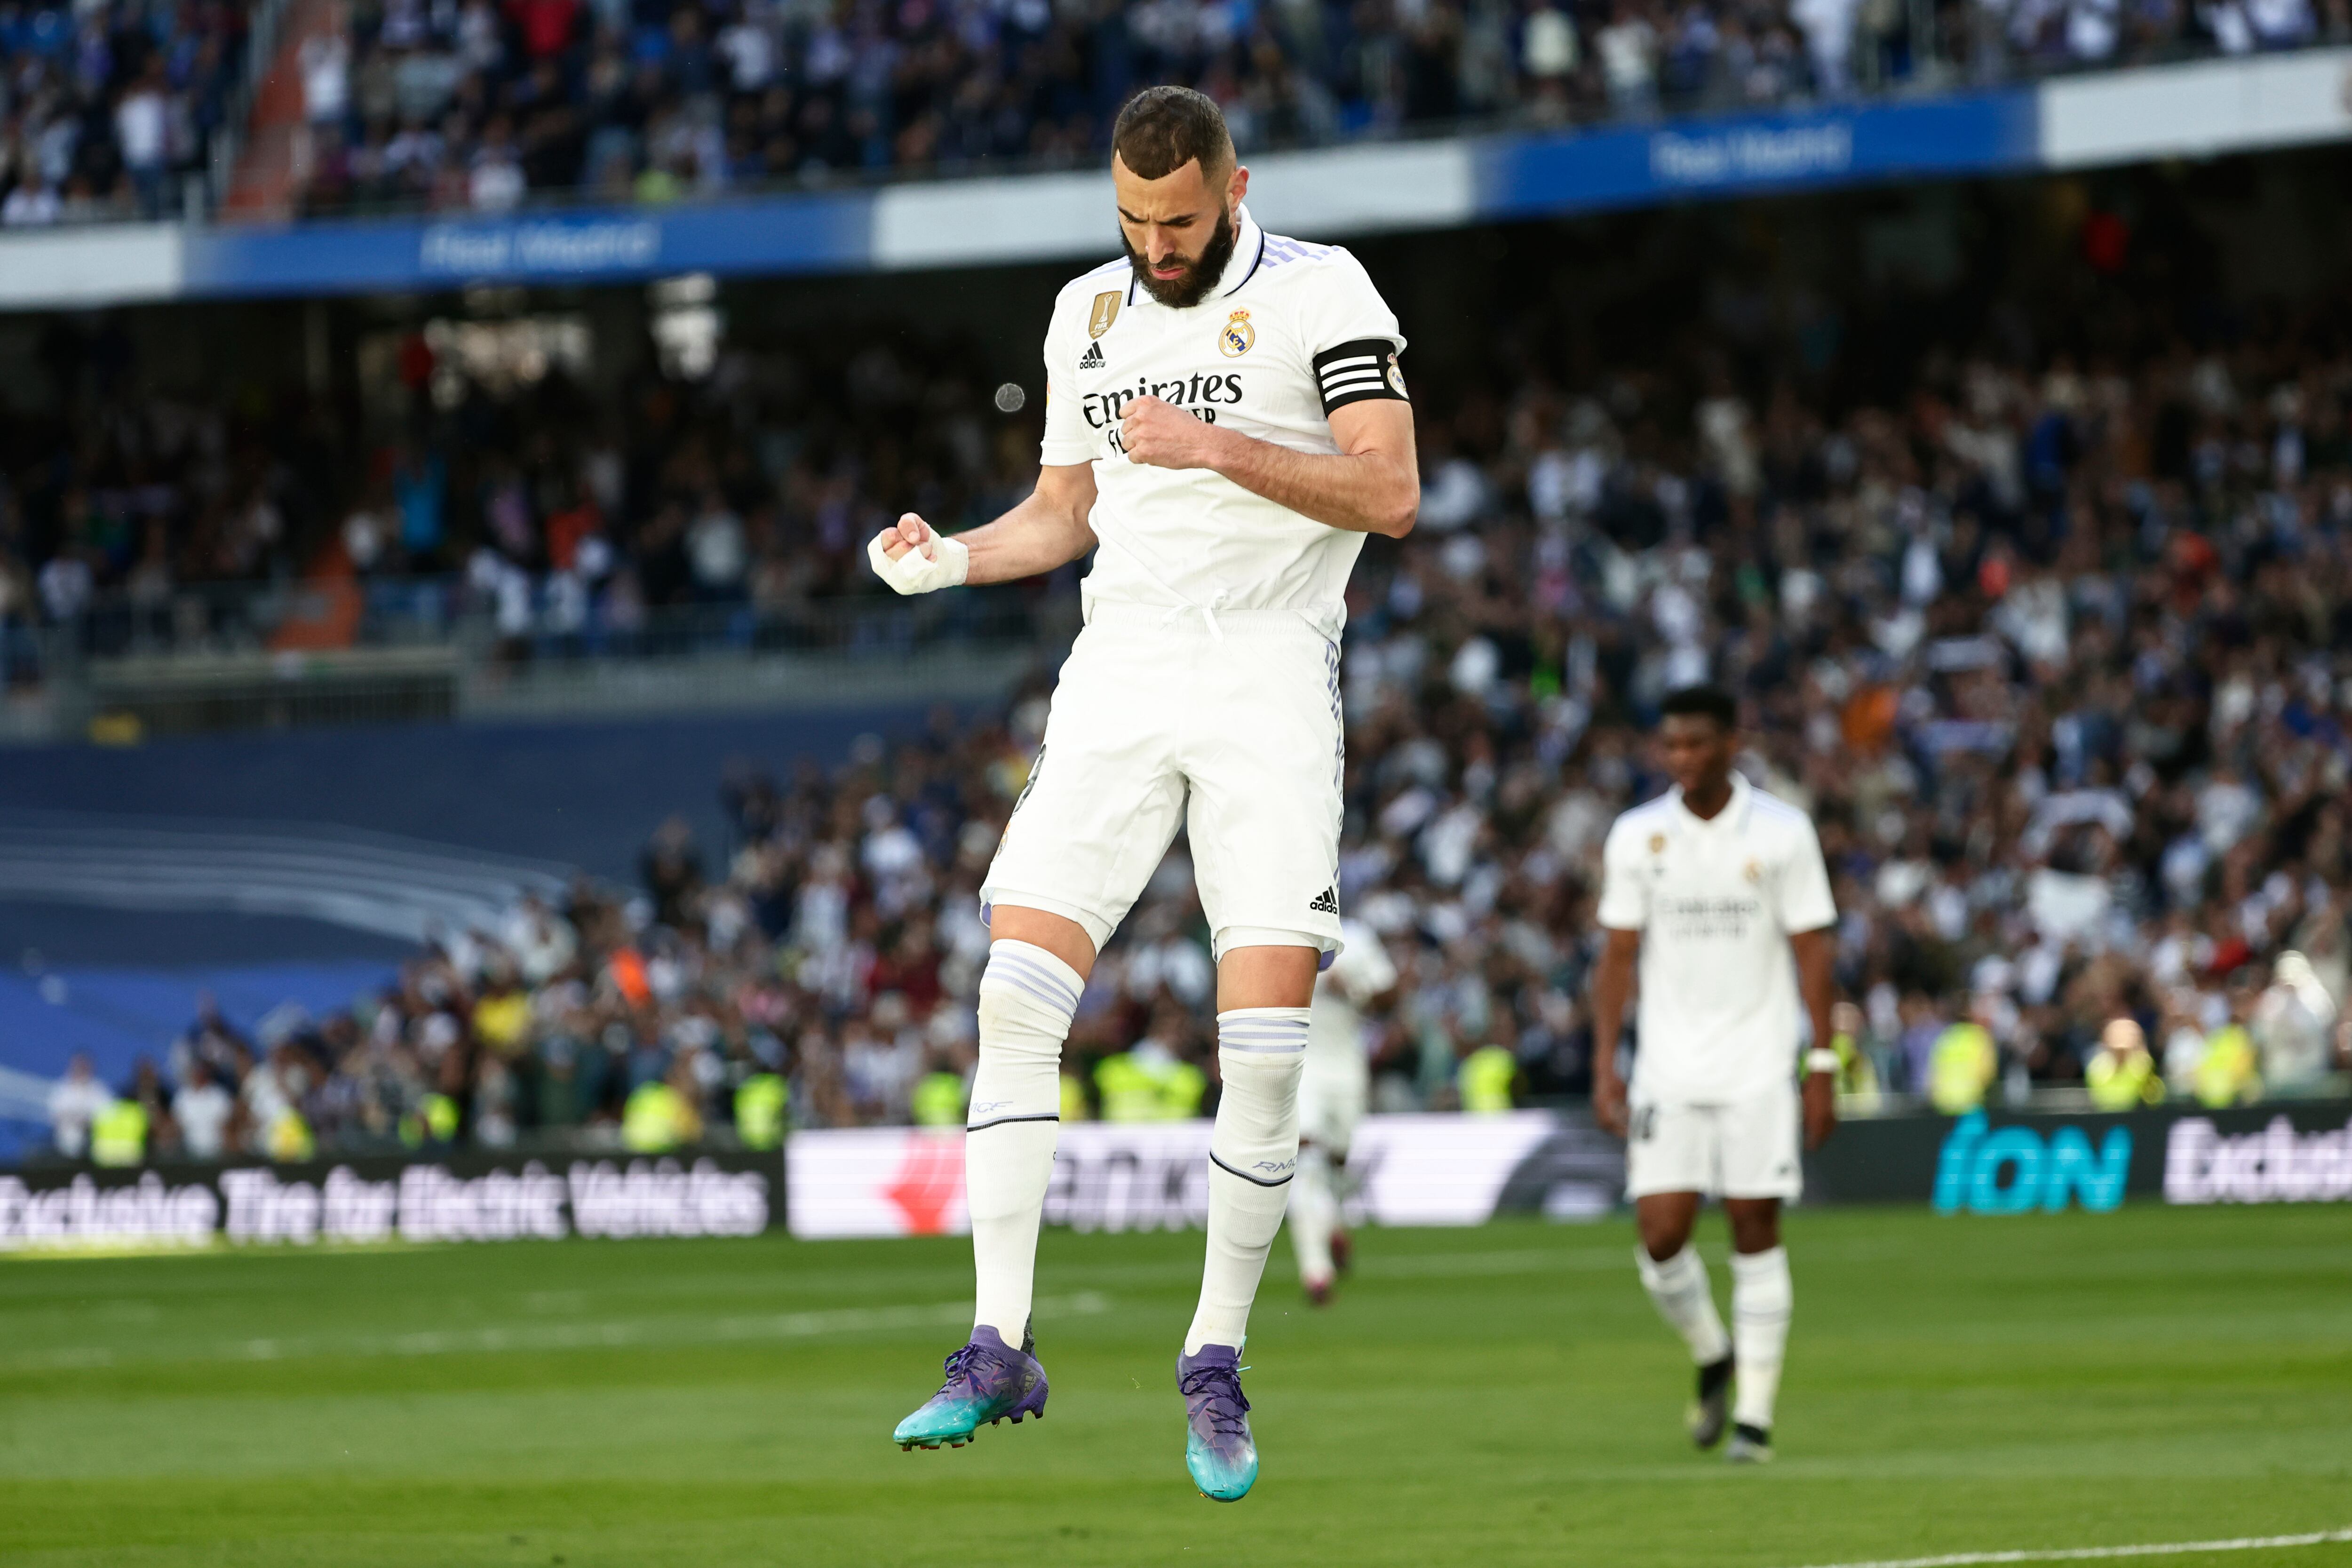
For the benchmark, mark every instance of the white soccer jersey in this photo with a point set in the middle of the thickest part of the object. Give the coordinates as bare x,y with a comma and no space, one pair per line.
1362,972
1292,331
1716,902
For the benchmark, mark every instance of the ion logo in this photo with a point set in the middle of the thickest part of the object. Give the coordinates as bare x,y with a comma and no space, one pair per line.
2012,1170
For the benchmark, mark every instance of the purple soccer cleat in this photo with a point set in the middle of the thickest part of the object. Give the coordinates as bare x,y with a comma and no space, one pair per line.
987,1380
1218,1449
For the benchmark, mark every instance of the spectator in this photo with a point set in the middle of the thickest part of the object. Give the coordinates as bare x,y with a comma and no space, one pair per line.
75,1100
201,1111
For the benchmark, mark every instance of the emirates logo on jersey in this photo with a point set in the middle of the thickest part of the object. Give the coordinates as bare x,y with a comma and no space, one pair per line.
1237,337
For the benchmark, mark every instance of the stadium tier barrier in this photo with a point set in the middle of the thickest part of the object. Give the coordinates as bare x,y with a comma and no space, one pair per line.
1413,1170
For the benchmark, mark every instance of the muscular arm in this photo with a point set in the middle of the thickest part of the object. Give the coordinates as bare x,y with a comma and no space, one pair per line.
1371,485
1613,984
1048,528
1817,985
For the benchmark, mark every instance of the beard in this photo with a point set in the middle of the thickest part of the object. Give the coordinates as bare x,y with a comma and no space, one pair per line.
1200,276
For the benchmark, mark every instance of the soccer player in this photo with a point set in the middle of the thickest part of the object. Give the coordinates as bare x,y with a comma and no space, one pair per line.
1225,419
1331,1100
1714,886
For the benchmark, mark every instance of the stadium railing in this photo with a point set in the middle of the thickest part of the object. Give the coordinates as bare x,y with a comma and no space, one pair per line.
240,655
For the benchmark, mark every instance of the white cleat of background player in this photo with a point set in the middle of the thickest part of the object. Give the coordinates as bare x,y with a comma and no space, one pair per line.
1331,1097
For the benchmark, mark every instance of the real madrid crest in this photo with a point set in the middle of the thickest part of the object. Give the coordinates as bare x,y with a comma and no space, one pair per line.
1396,374
1104,312
1235,338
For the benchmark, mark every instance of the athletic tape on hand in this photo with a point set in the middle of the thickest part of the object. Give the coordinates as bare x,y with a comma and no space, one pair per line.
911,573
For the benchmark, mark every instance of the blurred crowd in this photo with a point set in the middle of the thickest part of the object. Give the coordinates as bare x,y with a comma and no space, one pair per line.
571,522
478,104
2058,656
106,107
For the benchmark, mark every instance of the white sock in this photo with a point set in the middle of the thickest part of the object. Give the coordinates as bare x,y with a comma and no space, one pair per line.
1313,1214
1685,1300
1253,1154
1760,1299
1026,997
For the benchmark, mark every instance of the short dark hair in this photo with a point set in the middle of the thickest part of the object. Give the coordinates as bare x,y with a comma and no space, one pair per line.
1164,128
1704,702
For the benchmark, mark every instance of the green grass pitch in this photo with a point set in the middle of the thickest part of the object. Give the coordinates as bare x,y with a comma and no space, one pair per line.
1489,1397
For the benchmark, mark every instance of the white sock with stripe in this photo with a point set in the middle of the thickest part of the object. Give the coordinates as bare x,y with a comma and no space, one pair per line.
1026,998
1684,1297
1761,1298
1253,1154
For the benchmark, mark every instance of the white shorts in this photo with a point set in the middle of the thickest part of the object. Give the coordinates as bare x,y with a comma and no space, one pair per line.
1744,1150
1157,721
1331,1099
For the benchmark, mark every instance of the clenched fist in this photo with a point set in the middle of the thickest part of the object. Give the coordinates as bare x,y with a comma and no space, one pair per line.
1167,436
915,558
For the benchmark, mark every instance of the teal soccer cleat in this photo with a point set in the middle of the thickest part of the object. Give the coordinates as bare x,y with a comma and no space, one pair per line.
987,1380
1218,1449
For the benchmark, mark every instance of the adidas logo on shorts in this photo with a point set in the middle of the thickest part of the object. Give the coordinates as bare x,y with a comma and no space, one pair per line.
1092,359
1326,902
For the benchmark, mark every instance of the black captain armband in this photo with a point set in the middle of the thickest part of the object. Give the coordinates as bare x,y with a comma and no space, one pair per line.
1354,372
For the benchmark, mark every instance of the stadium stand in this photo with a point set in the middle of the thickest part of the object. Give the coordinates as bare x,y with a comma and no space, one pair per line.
105,109
664,514
2054,652
479,105
146,109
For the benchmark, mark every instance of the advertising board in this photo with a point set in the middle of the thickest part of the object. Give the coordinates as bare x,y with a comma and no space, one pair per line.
2007,1163
1405,1170
470,1198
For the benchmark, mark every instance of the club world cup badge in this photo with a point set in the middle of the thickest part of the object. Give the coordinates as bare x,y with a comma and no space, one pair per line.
1753,871
1237,337
1104,312
1657,843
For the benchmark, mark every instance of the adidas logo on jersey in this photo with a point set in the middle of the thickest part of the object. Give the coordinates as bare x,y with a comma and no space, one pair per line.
1326,902
1093,358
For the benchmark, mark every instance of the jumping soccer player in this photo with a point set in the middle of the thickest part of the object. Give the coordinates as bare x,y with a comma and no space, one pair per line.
1225,419
1714,885
1331,1101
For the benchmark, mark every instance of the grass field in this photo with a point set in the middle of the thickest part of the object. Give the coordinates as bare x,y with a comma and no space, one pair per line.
1490,1397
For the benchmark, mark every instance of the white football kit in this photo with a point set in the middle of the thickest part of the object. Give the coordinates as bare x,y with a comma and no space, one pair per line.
1714,1094
1338,1080
1205,687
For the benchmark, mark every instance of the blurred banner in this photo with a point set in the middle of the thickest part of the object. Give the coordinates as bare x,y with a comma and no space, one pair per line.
1463,1170
1405,1170
2292,1152
1445,1170
369,1201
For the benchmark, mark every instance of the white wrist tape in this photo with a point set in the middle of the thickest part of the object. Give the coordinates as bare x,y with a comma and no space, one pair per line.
1821,1059
911,573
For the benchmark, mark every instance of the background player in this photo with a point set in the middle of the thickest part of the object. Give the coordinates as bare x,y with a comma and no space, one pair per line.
1707,884
1225,419
1331,1097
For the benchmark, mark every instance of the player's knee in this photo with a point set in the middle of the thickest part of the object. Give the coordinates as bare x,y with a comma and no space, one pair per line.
1014,1028
1755,1229
1662,1235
